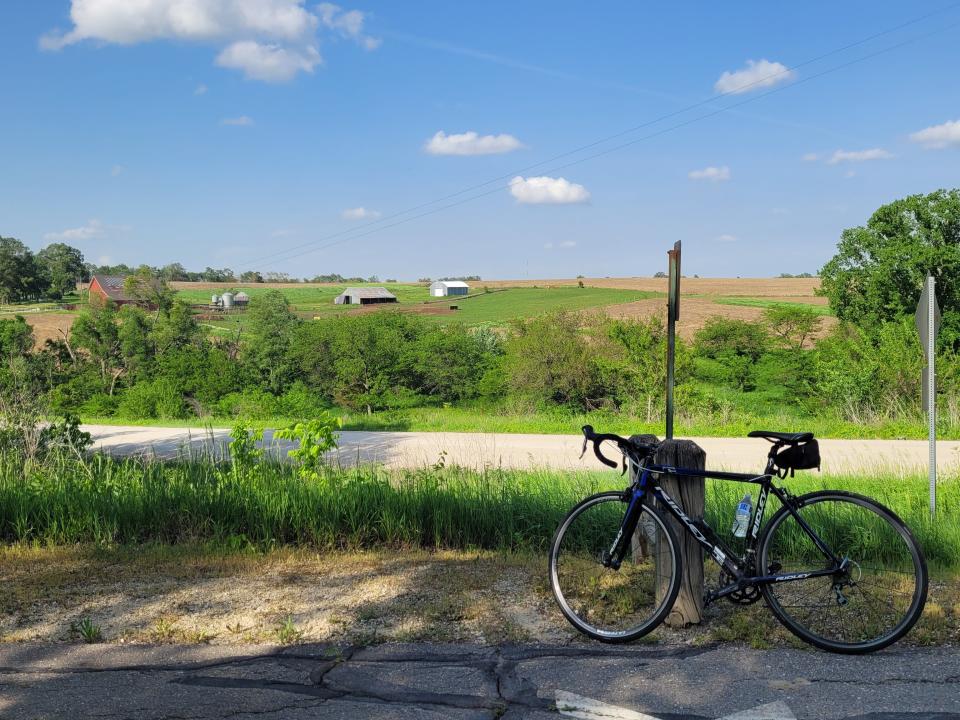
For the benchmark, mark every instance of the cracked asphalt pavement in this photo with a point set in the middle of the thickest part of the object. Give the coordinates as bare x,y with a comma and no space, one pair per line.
462,681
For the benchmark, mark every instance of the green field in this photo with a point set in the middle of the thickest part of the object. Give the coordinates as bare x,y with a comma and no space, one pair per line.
823,310
480,308
504,305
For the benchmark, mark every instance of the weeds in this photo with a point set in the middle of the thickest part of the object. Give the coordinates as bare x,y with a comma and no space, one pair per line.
287,632
87,630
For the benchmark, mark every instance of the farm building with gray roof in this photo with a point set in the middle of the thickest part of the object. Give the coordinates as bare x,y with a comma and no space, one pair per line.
365,296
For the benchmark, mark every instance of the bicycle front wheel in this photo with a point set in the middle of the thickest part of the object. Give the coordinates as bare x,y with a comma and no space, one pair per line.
607,604
872,600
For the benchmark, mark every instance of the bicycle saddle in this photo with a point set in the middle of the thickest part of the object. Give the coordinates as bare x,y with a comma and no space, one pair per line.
791,438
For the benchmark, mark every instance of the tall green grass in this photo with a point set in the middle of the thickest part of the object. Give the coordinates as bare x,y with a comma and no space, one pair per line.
108,501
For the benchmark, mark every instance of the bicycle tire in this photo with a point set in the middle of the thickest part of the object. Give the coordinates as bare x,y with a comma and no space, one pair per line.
668,597
896,529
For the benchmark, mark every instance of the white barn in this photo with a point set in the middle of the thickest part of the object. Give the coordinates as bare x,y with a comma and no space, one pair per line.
443,288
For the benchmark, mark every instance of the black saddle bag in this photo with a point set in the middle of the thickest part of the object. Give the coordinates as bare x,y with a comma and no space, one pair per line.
802,456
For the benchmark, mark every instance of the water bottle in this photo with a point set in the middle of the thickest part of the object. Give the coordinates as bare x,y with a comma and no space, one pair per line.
742,519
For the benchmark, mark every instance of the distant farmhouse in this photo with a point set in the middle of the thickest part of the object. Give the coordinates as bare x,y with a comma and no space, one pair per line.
104,288
443,288
365,296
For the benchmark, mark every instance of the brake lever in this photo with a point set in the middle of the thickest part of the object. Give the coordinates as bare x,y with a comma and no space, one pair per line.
583,450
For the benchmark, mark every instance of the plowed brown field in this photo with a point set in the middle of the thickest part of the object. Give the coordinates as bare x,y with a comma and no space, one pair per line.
792,288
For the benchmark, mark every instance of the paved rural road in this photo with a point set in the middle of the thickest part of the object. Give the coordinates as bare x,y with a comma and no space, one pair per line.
467,682
419,449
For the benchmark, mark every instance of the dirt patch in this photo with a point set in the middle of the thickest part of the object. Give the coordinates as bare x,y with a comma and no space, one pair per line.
182,596
418,309
694,312
49,326
195,595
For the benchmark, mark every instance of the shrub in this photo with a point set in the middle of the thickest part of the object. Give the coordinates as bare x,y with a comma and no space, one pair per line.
248,404
148,400
314,438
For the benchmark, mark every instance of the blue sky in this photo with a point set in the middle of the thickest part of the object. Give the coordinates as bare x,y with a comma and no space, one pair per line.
225,132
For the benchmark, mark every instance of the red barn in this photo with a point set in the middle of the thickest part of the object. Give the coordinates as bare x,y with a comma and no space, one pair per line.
109,287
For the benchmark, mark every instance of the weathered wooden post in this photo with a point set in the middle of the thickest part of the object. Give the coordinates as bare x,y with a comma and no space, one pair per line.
688,492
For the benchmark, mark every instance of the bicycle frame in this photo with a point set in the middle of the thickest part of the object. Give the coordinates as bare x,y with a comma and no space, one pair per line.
739,567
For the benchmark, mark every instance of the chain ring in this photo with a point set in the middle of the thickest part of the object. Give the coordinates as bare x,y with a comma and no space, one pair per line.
748,596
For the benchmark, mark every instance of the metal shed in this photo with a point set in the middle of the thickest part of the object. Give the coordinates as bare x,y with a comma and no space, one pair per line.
365,296
442,288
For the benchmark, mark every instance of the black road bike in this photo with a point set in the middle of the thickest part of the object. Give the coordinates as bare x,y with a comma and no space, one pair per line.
839,570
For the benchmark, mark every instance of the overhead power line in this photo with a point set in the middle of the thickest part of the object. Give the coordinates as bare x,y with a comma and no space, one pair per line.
384,223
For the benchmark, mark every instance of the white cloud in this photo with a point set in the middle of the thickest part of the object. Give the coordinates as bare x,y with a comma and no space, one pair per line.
547,191
92,230
859,155
470,143
116,170
810,157
241,121
104,260
268,62
269,40
936,137
348,23
125,23
201,89
726,238
360,213
714,174
757,74
568,243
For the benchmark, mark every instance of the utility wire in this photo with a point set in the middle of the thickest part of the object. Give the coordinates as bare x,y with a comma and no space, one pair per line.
378,225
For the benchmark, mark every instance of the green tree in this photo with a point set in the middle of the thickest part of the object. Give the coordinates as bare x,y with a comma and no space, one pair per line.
792,325
147,287
270,325
548,360
62,267
16,337
735,345
174,272
97,331
878,271
21,277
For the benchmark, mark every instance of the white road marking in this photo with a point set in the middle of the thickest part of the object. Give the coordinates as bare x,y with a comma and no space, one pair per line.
771,711
577,706
583,707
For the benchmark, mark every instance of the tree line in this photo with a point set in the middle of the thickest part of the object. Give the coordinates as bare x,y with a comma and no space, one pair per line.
53,272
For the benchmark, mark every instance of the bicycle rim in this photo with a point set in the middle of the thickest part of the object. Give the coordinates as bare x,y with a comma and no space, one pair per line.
865,607
606,604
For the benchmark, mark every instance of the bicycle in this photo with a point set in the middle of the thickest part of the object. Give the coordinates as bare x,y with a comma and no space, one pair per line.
837,569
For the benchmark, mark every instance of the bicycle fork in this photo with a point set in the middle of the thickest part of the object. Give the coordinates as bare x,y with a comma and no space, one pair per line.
613,557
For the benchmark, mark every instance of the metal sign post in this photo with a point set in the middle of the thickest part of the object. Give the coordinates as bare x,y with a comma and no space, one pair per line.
673,314
928,325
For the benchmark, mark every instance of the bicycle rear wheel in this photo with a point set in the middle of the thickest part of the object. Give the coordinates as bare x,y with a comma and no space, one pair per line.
868,605
607,604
